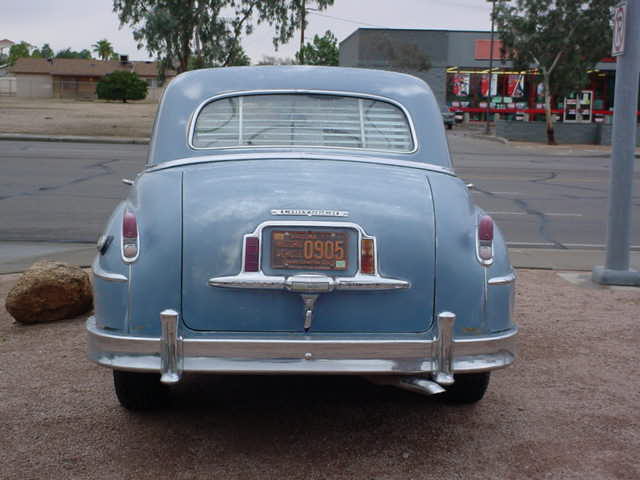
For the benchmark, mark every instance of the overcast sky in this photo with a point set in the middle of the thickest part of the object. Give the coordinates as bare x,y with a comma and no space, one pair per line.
80,23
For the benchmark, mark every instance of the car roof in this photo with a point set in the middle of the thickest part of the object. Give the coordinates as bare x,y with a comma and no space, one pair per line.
190,90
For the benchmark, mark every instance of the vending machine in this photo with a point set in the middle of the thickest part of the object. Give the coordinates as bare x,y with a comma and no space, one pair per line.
578,107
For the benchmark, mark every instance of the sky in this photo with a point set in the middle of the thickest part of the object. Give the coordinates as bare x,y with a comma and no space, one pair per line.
80,23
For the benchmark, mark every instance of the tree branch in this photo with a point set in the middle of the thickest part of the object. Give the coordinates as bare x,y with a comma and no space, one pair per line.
237,30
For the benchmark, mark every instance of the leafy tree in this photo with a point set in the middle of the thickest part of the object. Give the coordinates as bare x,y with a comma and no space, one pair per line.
238,58
563,39
323,50
210,30
121,85
18,50
46,51
271,60
68,53
103,48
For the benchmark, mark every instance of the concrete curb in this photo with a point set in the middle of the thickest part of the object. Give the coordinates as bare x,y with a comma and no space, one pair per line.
72,138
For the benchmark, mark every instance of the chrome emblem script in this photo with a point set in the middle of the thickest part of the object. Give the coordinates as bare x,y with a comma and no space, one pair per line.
297,212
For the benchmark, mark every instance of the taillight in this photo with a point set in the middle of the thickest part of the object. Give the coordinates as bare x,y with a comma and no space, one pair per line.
251,254
129,236
367,257
485,240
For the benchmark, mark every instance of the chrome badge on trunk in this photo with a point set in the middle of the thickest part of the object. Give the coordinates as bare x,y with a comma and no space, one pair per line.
296,212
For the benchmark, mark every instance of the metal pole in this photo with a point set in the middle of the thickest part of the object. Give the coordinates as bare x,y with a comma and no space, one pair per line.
616,271
487,129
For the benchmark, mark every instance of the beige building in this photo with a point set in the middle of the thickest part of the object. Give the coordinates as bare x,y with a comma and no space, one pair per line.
75,77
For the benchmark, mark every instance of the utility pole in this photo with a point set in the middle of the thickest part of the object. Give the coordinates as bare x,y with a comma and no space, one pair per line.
487,128
303,18
626,46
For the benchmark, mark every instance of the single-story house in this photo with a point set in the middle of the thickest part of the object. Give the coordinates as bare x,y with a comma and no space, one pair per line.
77,77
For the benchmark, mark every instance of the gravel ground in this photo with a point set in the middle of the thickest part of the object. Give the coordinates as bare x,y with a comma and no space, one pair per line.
567,409
51,116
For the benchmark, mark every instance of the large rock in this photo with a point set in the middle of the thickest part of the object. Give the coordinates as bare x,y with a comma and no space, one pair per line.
50,291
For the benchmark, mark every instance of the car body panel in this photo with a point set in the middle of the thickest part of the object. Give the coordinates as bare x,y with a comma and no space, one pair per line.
393,205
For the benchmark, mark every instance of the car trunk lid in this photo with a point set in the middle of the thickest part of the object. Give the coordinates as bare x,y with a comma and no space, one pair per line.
284,205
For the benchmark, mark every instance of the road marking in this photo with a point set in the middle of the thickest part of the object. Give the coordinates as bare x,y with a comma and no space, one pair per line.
496,193
568,245
563,214
546,214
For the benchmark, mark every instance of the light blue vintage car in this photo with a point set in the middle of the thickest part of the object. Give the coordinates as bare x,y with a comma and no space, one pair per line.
301,220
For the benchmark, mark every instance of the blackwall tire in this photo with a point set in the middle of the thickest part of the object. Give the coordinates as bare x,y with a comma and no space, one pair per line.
467,388
139,391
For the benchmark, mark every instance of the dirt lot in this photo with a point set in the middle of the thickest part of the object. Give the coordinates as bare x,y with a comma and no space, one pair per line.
567,409
76,117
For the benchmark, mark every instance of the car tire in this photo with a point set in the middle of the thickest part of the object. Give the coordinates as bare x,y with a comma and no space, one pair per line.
467,388
139,391
449,126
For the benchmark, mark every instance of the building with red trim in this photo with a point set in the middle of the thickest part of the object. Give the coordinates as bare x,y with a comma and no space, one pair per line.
459,75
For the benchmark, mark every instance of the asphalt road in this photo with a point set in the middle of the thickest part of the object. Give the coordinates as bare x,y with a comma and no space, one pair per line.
64,192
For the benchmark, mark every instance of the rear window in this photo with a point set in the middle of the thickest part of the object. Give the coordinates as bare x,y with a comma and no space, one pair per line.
316,120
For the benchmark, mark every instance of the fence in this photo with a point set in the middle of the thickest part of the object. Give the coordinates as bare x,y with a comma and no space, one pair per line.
45,87
7,86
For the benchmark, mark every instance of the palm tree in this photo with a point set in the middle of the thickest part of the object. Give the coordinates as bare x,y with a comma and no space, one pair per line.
103,48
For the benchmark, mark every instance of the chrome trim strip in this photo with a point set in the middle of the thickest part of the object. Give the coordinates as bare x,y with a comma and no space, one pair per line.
99,272
299,156
298,284
443,346
324,354
357,95
503,280
309,282
170,347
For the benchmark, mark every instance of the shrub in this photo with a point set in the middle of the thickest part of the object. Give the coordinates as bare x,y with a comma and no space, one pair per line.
121,85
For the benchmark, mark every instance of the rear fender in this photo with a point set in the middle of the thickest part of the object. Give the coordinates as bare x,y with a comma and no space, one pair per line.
155,276
111,297
500,297
461,281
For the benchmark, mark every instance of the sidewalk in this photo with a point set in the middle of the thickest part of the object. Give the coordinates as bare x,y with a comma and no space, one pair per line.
18,256
29,137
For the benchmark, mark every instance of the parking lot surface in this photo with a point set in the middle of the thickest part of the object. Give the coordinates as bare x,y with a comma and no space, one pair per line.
566,409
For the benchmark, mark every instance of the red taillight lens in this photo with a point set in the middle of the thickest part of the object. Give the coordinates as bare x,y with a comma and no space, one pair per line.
485,238
129,236
129,225
485,229
367,257
251,254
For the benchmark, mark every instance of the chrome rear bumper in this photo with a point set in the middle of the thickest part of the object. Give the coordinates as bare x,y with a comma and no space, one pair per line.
171,354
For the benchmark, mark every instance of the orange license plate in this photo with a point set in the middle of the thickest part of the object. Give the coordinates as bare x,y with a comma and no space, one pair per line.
309,250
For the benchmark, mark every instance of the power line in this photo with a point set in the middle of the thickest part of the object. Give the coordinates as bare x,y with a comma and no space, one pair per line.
344,19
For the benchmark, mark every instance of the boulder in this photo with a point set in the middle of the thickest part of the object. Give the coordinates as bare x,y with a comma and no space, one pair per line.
50,291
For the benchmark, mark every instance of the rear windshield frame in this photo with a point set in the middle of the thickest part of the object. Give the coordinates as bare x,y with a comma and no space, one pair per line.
364,96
